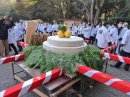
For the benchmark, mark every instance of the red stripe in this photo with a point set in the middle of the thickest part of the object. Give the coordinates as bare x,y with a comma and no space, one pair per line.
9,59
109,48
83,69
121,86
55,73
13,91
101,77
23,44
37,81
87,41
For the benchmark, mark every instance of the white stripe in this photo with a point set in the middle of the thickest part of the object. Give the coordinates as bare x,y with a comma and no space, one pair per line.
107,56
2,93
48,77
17,57
111,81
26,86
128,93
2,60
121,59
90,73
60,73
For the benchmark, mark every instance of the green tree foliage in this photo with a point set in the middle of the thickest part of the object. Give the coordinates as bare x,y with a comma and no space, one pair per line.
48,10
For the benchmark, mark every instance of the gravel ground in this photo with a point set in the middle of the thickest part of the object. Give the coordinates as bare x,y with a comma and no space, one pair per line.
100,90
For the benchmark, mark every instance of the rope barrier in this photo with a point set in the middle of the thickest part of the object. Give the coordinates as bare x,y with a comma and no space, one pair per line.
87,41
116,58
31,84
12,59
24,45
106,79
109,48
27,86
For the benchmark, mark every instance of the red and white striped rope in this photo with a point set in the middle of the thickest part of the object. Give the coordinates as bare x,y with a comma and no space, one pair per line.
87,41
12,59
24,45
115,83
109,48
27,86
116,58
106,79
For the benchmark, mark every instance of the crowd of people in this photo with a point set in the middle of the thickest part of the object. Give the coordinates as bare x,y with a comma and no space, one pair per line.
10,34
103,35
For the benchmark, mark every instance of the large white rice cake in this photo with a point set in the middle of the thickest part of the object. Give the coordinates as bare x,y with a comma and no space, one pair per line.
72,45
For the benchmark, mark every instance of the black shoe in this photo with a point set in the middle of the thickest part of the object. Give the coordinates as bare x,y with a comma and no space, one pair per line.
114,66
126,69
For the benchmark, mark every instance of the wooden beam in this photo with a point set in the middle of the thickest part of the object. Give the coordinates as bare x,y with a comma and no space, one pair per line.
65,87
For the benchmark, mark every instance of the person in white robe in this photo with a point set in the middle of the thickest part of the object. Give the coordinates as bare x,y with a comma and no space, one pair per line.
93,34
49,28
19,35
80,27
121,34
124,29
125,50
38,28
109,26
114,34
87,32
41,28
74,30
103,37
54,28
11,40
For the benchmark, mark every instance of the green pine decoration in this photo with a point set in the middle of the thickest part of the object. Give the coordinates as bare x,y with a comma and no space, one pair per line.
37,57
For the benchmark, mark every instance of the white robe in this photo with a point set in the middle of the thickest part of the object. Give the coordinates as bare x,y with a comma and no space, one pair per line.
94,31
24,25
41,28
38,27
74,30
80,29
19,34
103,38
49,28
126,41
10,36
110,28
87,32
55,27
114,35
123,32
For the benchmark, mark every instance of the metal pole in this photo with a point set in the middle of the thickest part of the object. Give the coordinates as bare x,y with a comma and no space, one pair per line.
106,65
13,69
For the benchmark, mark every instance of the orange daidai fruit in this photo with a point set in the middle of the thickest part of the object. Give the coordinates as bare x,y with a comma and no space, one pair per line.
67,34
60,34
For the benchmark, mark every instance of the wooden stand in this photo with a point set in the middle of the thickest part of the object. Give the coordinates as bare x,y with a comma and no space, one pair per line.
52,88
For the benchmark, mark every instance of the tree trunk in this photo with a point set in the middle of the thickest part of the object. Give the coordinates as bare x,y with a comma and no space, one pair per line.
98,9
91,11
96,19
88,17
